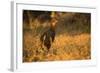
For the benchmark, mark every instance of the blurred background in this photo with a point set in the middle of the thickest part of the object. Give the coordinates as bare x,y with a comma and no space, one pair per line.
72,36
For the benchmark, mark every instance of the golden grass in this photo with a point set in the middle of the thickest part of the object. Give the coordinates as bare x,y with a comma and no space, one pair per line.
65,47
72,40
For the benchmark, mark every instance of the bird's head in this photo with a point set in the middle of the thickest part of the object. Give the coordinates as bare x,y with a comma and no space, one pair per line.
54,22
54,19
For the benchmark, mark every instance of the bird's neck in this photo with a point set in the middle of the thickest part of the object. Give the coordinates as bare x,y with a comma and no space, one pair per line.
52,28
53,24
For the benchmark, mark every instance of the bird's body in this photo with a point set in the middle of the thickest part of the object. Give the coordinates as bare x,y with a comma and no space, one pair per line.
47,38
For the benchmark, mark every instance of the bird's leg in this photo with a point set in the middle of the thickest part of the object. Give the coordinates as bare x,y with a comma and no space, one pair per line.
50,49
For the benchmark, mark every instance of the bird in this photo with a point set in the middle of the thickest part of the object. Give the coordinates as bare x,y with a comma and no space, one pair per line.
48,37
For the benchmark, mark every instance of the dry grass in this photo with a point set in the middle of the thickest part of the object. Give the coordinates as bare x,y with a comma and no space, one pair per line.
72,40
65,47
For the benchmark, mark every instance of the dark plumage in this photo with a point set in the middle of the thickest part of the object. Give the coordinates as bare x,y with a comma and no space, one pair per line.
47,38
